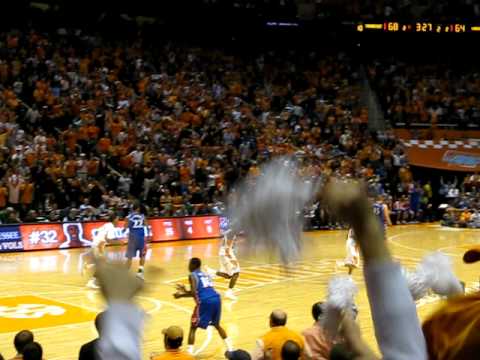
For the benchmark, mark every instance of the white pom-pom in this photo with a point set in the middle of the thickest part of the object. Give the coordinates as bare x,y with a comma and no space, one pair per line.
340,297
269,209
433,272
418,283
442,279
341,292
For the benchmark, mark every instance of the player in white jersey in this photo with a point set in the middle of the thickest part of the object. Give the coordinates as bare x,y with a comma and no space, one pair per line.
352,260
101,236
229,266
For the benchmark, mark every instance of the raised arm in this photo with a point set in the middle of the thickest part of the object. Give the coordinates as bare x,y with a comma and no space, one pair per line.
386,214
397,327
122,329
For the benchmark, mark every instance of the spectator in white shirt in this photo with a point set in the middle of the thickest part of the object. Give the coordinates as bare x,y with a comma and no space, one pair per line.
14,183
137,155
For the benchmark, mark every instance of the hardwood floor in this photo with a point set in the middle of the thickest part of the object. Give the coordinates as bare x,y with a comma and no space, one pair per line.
45,292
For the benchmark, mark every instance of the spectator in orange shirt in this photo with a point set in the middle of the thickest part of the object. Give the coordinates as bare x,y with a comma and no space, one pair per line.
465,217
173,338
3,135
184,172
27,190
70,168
93,131
70,138
272,342
104,144
3,195
82,136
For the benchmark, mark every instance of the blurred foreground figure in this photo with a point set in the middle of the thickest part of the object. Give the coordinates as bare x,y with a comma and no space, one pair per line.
123,321
269,208
453,331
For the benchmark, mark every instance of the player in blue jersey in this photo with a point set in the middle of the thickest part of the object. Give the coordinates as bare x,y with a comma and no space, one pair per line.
208,304
136,224
380,210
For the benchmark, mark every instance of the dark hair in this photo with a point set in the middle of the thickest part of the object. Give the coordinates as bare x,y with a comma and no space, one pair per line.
136,206
99,319
173,343
317,310
290,350
22,339
340,352
33,351
195,263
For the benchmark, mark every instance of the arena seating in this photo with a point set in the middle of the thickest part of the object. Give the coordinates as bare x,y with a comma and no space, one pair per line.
85,130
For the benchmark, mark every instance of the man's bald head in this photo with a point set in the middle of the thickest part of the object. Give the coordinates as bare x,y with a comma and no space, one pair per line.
291,351
278,318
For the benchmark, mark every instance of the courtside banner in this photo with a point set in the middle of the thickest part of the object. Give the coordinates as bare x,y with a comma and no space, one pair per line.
462,159
165,229
90,230
10,238
45,236
200,227
53,236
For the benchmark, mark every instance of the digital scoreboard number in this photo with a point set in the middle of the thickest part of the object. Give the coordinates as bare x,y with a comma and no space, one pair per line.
417,27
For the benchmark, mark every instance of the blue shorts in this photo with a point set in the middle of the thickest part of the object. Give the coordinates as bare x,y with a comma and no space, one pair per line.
136,244
207,312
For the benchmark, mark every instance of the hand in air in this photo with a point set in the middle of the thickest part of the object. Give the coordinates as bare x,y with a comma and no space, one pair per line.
345,198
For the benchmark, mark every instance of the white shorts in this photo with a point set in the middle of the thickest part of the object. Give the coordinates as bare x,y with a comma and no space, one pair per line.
353,255
229,266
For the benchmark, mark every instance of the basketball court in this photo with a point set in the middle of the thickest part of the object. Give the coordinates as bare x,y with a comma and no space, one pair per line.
45,292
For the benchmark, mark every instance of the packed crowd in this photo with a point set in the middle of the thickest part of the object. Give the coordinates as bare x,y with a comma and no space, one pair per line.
427,95
85,129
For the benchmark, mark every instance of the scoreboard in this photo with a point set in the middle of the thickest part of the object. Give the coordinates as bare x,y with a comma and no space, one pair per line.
417,27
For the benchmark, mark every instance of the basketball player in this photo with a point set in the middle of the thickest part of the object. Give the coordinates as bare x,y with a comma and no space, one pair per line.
380,210
353,253
100,239
208,306
229,266
136,224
